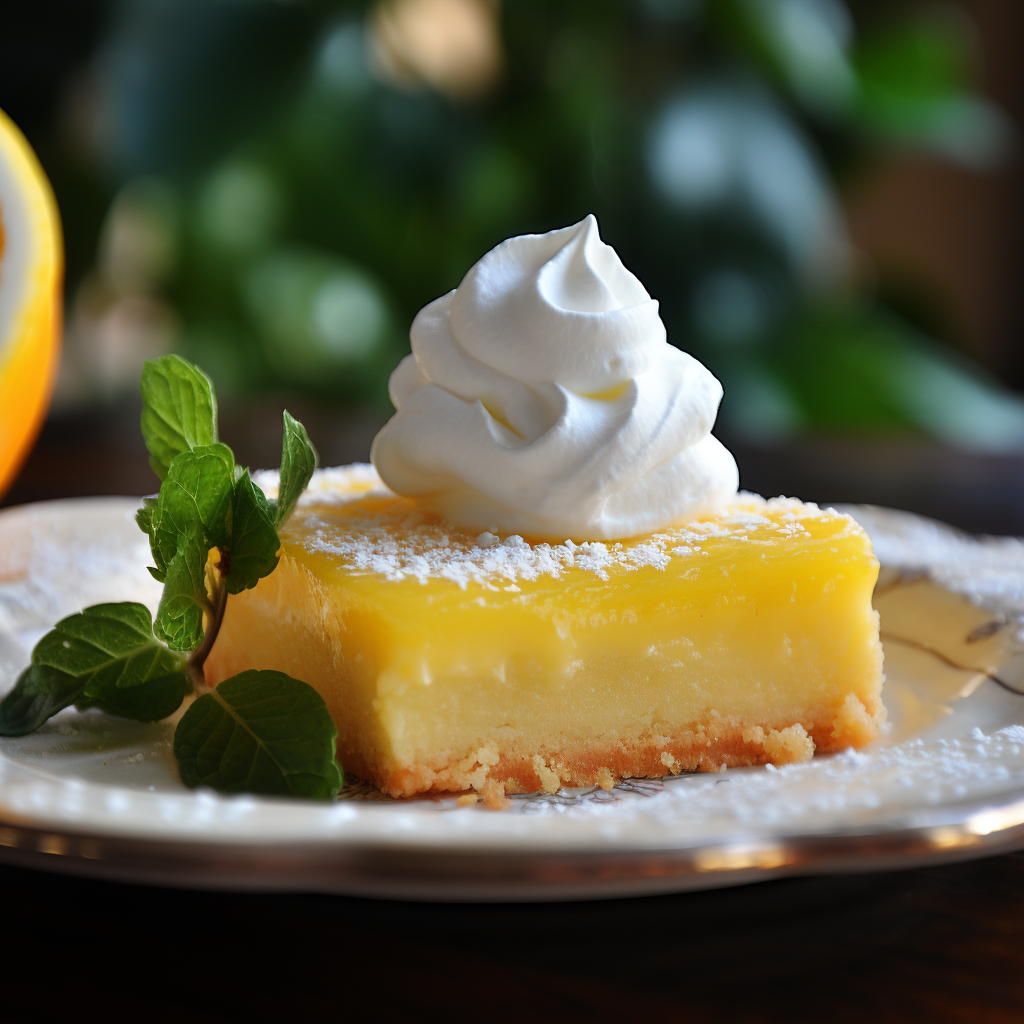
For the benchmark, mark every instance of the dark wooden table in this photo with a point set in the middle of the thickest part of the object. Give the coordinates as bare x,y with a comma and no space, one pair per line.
936,944
932,944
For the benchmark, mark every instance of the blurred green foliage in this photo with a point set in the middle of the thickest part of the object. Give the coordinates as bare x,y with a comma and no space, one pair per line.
294,181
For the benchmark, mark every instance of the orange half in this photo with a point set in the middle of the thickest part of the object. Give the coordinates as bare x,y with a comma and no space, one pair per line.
31,276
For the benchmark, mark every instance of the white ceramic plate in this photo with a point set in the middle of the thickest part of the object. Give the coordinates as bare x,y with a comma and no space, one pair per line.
93,794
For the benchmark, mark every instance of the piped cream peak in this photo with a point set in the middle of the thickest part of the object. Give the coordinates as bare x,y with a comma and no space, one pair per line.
542,397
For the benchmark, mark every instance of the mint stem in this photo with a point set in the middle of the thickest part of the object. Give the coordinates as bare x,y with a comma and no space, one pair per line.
202,652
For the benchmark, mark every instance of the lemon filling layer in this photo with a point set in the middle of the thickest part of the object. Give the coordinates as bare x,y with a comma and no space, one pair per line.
451,661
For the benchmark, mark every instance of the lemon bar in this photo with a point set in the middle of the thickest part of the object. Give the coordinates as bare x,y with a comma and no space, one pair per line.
457,662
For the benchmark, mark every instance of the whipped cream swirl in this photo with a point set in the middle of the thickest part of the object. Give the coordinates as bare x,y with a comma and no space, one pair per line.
542,398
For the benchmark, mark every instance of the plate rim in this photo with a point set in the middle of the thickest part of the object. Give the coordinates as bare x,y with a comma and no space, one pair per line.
369,868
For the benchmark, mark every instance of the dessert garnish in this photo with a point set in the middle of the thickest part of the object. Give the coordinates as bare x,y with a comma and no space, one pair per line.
213,533
542,398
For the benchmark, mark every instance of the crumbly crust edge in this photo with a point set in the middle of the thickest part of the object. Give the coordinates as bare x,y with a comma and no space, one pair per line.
709,746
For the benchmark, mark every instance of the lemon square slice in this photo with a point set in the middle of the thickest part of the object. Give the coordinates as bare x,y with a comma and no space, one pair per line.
456,662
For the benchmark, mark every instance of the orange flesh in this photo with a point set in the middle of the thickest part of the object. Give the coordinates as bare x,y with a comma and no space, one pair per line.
30,352
26,382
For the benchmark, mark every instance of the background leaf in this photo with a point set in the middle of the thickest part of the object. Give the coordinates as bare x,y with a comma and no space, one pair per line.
254,540
260,732
915,77
298,460
105,656
179,410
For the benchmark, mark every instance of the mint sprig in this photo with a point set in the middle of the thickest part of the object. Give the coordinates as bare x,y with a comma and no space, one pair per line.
179,410
104,657
254,547
193,514
212,533
259,732
298,460
195,497
179,617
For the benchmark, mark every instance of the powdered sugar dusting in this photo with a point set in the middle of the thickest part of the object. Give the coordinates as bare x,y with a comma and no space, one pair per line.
64,555
847,789
397,542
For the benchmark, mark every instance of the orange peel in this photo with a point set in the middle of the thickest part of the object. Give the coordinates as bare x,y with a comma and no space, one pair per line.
31,302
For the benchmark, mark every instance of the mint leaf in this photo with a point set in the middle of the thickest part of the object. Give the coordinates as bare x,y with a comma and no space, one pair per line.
179,619
201,506
298,460
37,695
105,656
254,542
195,498
260,732
144,517
179,410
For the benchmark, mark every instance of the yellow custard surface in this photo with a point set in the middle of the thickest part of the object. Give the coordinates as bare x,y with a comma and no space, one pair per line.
489,663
